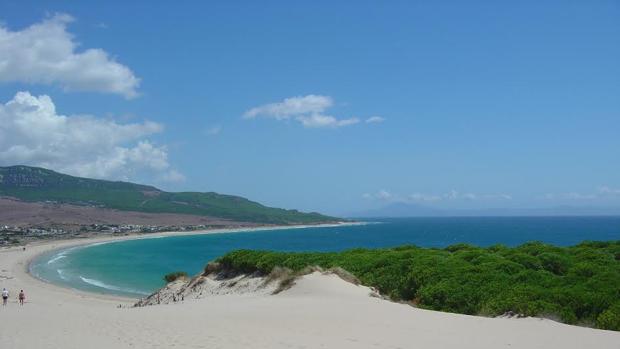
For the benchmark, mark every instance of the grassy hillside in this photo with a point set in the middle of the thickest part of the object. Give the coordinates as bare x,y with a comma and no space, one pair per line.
38,184
577,285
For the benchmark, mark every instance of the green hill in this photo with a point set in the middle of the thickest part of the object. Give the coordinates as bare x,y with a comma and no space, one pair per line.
38,184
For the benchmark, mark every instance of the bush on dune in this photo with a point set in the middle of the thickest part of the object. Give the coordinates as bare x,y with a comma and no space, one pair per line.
170,277
577,285
610,318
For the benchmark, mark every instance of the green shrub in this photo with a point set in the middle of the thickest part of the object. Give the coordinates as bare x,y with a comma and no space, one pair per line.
554,262
526,260
578,284
610,318
170,277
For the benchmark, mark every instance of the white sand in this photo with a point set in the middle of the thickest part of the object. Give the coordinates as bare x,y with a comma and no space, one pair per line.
320,311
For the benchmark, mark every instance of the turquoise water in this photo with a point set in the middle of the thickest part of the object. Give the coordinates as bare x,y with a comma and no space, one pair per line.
135,267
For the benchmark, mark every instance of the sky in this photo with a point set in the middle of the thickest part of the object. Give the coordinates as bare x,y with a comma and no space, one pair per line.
322,106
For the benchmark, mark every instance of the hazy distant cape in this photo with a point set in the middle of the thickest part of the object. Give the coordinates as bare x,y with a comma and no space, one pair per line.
401,209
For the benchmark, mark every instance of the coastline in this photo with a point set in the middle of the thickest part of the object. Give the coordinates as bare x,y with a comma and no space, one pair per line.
319,311
64,244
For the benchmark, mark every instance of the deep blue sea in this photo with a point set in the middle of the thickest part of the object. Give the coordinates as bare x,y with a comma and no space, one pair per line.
135,267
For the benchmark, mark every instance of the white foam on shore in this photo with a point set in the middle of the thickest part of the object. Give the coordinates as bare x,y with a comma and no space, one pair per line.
63,253
101,284
61,273
57,257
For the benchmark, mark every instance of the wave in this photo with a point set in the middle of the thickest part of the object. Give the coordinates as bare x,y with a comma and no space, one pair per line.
61,273
57,258
103,285
61,254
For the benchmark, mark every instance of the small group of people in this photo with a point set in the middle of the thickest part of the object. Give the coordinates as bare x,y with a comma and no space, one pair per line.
5,297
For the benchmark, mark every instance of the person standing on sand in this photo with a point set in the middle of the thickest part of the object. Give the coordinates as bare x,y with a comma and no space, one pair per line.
5,296
22,297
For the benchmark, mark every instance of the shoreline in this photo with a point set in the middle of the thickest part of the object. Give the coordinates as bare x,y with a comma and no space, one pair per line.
65,244
318,311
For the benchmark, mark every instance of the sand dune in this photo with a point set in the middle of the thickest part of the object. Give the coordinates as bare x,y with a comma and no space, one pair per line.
319,311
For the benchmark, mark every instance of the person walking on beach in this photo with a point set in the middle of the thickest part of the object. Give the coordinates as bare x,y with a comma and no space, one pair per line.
22,297
5,296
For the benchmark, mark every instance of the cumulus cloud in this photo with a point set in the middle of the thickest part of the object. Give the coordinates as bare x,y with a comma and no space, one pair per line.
374,119
308,110
293,106
33,133
45,53
318,120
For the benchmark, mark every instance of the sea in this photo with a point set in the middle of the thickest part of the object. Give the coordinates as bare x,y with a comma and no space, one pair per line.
135,268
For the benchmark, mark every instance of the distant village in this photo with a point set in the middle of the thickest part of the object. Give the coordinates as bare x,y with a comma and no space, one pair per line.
15,235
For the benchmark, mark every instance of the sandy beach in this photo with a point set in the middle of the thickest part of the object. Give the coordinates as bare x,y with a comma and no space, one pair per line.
320,311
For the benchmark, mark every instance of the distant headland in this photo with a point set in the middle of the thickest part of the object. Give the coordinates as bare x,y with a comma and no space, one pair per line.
39,203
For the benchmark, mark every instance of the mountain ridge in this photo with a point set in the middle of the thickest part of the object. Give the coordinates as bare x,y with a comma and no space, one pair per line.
36,184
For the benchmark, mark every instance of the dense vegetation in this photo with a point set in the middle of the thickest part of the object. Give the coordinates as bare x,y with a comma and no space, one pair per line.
576,285
37,184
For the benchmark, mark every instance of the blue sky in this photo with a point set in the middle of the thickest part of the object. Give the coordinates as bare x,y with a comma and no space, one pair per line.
476,104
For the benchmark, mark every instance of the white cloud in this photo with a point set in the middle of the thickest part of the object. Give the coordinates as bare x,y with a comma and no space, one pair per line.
605,190
452,195
496,196
424,197
469,196
319,120
383,195
308,110
602,193
33,133
579,196
374,119
310,104
455,195
45,53
214,131
172,176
